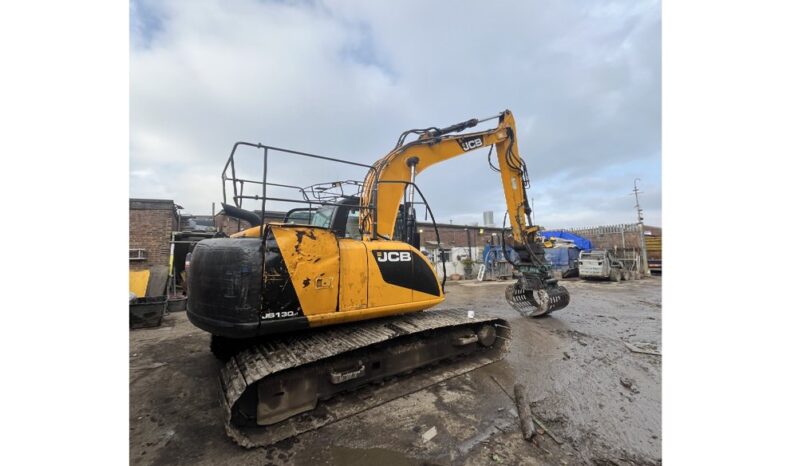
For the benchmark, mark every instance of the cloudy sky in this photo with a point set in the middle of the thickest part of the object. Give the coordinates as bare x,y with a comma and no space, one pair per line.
345,78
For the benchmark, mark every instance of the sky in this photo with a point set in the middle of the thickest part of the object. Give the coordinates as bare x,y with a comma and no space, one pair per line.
345,78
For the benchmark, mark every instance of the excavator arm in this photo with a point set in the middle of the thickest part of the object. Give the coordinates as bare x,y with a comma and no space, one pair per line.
536,292
384,187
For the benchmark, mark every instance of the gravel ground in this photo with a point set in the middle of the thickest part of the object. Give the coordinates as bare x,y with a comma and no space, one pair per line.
601,400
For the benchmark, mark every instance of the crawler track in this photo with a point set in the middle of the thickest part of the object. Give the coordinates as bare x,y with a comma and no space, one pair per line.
318,351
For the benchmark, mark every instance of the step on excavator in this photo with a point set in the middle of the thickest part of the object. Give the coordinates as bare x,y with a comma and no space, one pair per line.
315,313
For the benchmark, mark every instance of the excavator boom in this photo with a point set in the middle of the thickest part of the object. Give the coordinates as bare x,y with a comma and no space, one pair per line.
536,293
384,186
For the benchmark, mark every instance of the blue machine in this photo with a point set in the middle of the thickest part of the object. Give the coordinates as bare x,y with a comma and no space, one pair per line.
562,258
583,244
493,254
565,259
559,258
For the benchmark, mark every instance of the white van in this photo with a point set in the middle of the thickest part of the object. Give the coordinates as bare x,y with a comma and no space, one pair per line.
600,264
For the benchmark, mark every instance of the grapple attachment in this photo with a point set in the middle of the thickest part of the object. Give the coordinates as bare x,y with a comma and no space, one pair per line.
535,300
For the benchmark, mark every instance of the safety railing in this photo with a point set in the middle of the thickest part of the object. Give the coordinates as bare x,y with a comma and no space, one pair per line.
316,195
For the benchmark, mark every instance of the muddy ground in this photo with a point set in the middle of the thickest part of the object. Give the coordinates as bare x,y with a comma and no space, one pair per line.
600,400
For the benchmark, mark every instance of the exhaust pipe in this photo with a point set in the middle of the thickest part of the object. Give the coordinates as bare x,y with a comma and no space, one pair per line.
246,215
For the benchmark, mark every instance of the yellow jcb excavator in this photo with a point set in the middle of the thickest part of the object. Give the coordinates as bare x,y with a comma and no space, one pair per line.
327,301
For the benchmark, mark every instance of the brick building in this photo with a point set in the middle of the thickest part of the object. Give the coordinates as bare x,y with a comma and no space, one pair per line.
152,222
459,235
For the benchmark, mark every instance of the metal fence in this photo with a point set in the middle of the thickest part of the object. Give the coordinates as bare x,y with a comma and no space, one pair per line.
622,236
605,230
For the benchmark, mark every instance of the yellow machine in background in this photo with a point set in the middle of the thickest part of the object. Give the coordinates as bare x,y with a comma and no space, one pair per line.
356,258
138,282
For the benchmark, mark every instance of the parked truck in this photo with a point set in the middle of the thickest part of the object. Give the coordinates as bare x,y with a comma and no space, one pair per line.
601,264
654,252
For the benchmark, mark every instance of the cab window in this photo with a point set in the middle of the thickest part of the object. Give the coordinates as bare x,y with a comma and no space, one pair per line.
353,225
300,216
323,216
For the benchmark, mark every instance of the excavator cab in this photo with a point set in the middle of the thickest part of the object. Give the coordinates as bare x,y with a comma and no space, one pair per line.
341,218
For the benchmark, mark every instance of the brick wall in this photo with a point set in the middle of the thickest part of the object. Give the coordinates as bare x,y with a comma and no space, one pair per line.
229,225
151,225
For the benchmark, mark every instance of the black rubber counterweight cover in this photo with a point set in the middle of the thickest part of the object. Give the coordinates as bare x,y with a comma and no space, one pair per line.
224,286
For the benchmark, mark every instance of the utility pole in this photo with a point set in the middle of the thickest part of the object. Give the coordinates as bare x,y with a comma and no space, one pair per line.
468,239
643,254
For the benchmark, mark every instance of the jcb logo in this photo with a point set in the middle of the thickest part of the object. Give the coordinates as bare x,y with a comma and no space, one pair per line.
393,256
471,144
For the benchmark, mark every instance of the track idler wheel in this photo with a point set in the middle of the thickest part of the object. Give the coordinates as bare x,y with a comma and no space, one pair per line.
538,302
